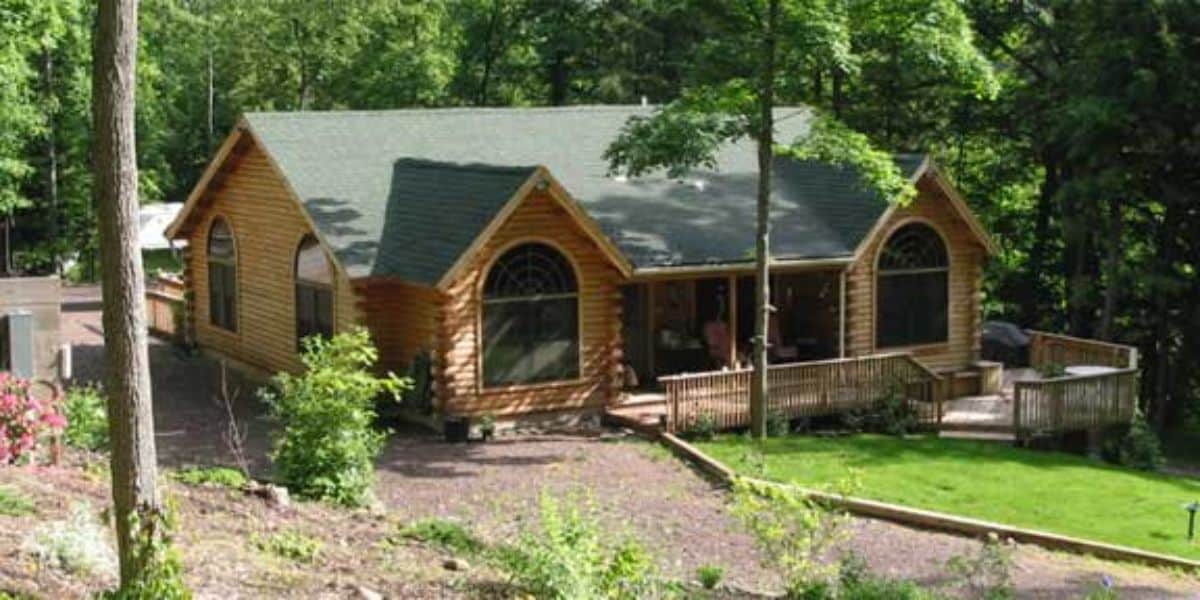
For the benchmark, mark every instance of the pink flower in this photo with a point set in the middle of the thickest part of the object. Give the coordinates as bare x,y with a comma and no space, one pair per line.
54,420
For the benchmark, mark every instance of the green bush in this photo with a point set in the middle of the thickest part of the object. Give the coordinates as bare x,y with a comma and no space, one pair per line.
703,428
87,418
327,444
793,532
212,477
710,576
1135,446
448,535
777,424
13,503
568,557
892,414
290,545
161,577
987,573
855,582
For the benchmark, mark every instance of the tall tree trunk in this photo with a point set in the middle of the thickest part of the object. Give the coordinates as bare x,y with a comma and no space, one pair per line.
1160,403
52,158
488,54
131,419
1112,263
1036,298
762,247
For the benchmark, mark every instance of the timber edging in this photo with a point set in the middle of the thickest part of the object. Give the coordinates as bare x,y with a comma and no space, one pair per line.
932,520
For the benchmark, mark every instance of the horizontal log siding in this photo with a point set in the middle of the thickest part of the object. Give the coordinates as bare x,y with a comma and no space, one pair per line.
267,227
403,319
459,385
966,275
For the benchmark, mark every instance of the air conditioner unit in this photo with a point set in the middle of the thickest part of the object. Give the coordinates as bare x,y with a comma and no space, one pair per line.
16,344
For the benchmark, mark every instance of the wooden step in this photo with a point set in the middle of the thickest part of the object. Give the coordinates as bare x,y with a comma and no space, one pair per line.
985,436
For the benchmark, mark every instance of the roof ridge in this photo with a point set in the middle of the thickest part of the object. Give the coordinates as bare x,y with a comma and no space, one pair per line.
473,110
425,163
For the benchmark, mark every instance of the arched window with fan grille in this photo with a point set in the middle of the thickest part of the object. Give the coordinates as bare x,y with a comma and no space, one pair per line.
314,291
530,317
912,288
222,275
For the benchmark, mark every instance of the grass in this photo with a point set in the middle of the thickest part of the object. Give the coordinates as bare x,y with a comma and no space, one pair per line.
443,533
1050,491
211,477
13,503
290,545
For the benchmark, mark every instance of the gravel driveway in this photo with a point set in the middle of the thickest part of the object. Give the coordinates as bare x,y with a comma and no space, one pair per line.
635,487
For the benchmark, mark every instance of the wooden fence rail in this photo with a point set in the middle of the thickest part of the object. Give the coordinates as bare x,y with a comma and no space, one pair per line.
164,306
805,389
1074,403
1067,351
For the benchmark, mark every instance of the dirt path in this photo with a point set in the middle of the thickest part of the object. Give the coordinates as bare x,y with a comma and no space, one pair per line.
636,487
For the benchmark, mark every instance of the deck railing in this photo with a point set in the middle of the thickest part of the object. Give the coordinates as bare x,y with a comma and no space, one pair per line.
164,303
1067,351
804,389
1074,402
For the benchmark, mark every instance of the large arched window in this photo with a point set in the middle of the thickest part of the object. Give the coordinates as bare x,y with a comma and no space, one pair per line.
530,318
912,303
222,276
314,290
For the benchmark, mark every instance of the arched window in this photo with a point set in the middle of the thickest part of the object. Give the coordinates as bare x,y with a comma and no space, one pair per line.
222,276
913,290
314,290
530,318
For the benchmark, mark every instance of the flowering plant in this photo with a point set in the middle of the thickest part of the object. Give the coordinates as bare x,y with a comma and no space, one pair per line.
24,419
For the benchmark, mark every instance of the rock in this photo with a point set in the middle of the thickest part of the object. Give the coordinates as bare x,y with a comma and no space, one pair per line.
365,593
455,564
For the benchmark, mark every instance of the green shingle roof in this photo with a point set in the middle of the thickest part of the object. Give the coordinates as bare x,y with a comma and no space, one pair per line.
403,193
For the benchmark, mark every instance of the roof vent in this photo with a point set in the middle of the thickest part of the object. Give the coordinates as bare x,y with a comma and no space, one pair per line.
645,101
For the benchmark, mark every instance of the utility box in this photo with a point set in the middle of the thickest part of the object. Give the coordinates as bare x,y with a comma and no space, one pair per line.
30,318
19,344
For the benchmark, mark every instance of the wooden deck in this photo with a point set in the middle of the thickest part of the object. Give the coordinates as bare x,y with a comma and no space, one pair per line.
1099,388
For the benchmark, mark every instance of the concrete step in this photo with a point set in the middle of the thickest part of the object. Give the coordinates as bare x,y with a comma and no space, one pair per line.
983,436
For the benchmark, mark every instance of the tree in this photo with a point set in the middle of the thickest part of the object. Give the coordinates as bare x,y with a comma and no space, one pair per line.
755,47
137,506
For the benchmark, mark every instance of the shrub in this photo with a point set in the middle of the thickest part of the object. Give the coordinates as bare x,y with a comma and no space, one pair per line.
793,532
1052,371
567,558
710,576
25,421
703,428
1135,446
777,424
987,573
13,503
448,535
78,544
326,445
855,582
892,414
212,477
290,545
87,418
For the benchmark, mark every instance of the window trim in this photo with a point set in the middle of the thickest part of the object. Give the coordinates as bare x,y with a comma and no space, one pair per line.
297,283
481,386
237,269
933,346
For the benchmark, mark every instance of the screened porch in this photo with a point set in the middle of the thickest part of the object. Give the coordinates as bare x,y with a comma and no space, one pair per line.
687,325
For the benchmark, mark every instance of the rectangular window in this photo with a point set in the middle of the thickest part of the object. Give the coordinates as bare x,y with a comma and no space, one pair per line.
314,312
912,309
222,295
530,341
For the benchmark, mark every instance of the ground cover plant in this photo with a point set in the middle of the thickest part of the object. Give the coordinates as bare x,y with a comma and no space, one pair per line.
1049,491
87,418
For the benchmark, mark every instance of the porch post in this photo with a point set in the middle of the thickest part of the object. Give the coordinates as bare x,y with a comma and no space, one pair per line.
733,324
842,313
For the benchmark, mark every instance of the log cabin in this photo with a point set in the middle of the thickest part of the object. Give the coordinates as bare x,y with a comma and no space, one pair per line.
492,252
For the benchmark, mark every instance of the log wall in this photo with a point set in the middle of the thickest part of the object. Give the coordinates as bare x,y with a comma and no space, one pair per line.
967,257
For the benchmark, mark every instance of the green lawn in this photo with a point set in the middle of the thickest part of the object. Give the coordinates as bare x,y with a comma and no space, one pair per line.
1049,491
